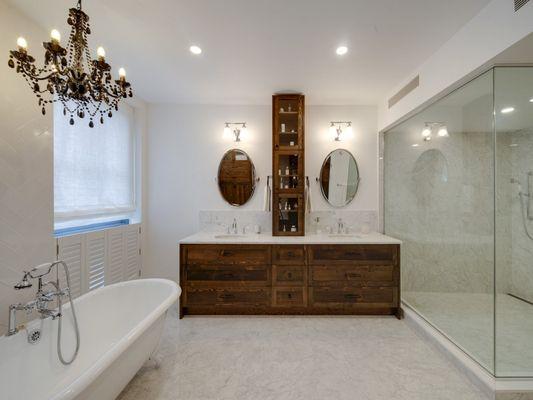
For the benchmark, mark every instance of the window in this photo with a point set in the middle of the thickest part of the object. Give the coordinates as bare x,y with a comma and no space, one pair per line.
93,167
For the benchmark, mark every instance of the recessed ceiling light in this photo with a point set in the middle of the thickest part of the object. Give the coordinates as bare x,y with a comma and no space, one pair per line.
531,100
341,50
195,49
507,110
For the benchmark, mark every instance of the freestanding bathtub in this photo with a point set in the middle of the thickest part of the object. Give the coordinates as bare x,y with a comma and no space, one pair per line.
120,327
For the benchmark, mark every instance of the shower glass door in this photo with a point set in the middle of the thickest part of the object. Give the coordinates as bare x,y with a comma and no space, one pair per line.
513,114
439,200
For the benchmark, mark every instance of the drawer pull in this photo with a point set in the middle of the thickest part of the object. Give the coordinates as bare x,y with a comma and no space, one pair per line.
225,253
228,275
351,296
351,253
350,275
227,296
289,275
289,295
290,254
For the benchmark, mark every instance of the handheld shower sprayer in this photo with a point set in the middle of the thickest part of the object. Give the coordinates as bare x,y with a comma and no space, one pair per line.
524,199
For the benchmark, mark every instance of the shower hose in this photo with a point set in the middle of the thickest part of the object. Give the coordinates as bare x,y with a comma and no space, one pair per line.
59,328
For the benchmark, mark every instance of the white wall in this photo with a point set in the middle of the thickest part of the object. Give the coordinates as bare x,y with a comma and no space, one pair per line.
26,159
185,145
489,33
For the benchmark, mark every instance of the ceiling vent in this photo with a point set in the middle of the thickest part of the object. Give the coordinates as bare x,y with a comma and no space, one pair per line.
518,4
404,91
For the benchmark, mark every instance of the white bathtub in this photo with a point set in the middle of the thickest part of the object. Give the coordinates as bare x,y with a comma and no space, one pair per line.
120,327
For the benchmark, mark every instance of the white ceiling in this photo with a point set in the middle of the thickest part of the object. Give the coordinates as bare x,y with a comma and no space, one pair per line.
253,48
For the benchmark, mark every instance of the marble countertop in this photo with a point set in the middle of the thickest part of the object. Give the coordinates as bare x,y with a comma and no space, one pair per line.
267,238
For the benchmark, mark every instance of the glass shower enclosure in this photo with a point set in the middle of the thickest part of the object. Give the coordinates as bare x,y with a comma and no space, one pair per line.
458,191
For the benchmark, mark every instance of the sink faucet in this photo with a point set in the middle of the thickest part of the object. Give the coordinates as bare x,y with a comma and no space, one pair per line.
234,228
340,226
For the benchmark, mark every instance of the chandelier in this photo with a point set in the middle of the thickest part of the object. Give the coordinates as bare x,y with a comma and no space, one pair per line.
82,85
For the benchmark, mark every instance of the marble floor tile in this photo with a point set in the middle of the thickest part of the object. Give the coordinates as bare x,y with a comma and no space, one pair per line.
293,358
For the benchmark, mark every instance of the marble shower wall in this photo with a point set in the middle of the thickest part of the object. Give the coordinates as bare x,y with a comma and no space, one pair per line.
520,147
439,201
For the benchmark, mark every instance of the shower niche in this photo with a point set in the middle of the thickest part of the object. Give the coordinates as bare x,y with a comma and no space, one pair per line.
460,198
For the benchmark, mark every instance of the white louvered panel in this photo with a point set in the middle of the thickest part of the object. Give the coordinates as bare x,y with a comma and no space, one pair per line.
131,252
71,250
115,256
95,259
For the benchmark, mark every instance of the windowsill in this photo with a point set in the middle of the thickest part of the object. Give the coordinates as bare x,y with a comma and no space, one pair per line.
73,230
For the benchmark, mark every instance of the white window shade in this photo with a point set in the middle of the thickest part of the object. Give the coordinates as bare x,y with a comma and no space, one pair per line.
93,167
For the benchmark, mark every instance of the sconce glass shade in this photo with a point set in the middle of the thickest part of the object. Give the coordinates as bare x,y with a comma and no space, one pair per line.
244,133
348,132
332,132
443,132
227,133
426,132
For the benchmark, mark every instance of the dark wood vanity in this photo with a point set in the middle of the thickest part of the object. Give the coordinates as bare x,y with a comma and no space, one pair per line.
247,279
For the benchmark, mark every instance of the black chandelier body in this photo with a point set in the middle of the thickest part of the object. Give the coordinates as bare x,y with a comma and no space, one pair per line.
84,86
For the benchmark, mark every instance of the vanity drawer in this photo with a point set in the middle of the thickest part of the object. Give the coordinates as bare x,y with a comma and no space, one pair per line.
227,254
288,255
360,275
227,297
352,254
227,274
342,297
289,297
286,275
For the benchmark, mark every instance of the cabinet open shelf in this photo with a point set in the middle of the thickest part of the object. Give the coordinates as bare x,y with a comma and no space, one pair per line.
288,217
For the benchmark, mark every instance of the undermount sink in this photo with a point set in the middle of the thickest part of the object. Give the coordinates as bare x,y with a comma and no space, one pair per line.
229,236
344,235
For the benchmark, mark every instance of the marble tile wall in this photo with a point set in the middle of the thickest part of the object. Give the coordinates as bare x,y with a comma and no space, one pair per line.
439,201
355,220
521,268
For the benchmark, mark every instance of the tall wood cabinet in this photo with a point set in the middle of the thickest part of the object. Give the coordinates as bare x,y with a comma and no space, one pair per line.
288,163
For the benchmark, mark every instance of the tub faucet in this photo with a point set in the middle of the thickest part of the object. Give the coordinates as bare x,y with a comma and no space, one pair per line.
42,298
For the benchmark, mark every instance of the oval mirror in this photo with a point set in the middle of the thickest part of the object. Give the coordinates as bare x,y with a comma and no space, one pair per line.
236,177
339,178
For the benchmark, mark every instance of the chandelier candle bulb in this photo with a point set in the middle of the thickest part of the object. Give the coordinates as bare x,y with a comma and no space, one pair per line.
100,52
22,44
56,36
122,74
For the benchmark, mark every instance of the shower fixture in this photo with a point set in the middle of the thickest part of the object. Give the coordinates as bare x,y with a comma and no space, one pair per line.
525,199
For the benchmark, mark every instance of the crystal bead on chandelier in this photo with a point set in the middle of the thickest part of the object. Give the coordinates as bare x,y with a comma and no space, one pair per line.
83,86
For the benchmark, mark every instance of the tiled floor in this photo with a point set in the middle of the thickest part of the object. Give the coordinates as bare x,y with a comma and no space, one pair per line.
278,358
468,319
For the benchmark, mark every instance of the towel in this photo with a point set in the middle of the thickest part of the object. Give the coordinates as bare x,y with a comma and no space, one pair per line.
307,195
268,196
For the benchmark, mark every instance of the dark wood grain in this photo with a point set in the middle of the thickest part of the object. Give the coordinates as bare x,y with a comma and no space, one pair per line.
232,279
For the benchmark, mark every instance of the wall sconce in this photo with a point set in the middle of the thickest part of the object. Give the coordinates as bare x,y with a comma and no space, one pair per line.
430,127
238,129
337,132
